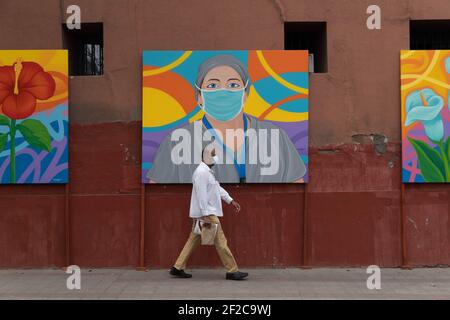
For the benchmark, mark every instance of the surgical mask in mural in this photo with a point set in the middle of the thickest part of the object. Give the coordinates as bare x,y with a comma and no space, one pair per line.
223,104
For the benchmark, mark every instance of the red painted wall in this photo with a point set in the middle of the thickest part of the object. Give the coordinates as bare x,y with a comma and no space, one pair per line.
353,213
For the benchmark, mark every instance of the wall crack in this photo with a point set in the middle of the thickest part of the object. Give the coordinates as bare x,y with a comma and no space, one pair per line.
280,9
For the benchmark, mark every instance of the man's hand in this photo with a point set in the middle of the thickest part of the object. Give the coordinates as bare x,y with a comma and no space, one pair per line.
237,206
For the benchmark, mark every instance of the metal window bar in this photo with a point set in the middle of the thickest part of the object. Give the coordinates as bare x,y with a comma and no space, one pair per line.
92,59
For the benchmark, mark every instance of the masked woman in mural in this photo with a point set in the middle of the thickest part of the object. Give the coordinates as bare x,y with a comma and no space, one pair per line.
248,149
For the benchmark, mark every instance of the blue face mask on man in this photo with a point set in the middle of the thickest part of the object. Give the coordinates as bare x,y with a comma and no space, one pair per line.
223,104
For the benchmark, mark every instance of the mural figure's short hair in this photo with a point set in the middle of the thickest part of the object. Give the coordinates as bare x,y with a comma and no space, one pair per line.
222,60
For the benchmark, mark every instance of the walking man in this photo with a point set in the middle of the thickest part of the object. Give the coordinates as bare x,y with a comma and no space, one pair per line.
206,205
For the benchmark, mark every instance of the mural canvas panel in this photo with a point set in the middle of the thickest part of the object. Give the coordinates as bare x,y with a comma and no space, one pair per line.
425,89
251,104
33,116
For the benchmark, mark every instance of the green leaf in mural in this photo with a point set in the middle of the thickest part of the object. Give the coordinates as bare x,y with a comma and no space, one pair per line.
4,121
447,147
430,161
3,140
36,134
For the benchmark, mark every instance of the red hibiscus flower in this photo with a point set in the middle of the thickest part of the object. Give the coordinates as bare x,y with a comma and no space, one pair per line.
21,85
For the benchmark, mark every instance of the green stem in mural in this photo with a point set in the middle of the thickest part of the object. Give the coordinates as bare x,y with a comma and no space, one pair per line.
12,134
445,160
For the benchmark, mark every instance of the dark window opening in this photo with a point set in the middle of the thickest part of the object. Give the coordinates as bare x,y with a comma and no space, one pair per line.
85,49
311,36
429,34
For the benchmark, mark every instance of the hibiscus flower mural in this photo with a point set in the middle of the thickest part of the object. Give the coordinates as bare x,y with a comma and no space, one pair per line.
29,93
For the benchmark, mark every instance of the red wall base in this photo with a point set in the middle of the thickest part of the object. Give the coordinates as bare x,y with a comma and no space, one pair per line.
353,212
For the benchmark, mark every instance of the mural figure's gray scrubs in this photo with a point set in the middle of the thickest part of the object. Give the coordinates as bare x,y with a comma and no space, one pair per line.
290,167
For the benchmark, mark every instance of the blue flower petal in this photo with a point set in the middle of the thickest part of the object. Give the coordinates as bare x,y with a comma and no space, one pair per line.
429,114
422,114
415,109
434,129
414,99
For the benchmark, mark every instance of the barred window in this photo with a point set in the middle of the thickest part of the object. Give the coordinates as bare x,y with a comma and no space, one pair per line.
85,49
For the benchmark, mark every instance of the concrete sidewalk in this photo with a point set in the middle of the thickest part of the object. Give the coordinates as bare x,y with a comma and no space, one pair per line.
210,284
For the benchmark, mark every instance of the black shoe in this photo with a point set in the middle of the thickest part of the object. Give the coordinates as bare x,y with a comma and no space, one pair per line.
236,275
179,273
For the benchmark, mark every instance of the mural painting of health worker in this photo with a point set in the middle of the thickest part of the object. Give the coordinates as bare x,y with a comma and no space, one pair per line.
248,149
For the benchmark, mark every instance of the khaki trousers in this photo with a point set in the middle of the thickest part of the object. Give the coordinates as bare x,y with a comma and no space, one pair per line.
221,246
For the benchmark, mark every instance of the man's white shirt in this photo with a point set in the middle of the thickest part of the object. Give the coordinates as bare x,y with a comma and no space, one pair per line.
207,194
